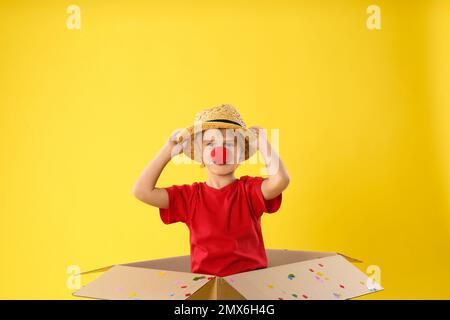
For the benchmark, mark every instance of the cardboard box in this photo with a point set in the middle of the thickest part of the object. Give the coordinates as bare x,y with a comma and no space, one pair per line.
295,275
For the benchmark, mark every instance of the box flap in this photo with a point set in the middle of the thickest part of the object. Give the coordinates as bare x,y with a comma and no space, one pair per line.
226,292
207,292
277,257
103,269
331,277
217,289
180,263
126,282
352,260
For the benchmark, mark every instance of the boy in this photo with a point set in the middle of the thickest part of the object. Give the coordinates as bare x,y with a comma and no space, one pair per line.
224,213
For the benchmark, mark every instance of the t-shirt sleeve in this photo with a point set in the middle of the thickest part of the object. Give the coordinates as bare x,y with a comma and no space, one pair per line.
180,200
259,204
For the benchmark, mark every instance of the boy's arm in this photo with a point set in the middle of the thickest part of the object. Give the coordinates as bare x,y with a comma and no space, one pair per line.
144,188
278,177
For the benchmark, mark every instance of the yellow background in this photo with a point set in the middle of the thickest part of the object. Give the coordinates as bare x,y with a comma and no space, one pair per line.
364,120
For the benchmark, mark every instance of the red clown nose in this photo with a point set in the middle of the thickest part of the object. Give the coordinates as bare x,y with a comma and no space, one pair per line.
219,155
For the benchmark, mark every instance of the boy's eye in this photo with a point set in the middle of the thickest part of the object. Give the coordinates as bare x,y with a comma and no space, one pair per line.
227,144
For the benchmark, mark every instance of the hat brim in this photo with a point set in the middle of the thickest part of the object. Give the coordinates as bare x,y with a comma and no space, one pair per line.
189,133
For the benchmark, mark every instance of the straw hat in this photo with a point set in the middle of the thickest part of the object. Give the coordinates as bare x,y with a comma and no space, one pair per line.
224,116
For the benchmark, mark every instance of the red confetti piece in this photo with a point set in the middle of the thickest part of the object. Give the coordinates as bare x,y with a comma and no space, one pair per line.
305,296
312,270
342,286
210,278
183,287
321,265
187,294
280,298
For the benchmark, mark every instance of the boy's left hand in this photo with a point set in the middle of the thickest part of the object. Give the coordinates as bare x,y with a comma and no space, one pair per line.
278,178
260,134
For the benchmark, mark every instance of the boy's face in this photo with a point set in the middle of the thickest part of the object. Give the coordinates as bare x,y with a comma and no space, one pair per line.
220,151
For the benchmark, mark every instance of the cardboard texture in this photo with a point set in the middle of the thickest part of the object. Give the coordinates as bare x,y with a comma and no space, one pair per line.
290,275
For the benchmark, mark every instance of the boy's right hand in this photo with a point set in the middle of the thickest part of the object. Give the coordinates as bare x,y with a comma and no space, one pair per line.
145,187
173,142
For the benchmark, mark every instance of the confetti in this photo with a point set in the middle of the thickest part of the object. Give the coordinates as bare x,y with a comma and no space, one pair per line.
187,295
318,278
319,273
171,294
337,295
184,287
295,295
291,276
320,265
210,278
326,278
311,270
279,298
231,279
178,282
198,278
305,296
270,286
342,286
162,273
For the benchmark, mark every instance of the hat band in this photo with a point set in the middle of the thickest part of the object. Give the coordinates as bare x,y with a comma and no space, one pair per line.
224,120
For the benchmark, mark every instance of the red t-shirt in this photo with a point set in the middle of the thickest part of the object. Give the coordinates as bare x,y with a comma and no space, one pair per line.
224,224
